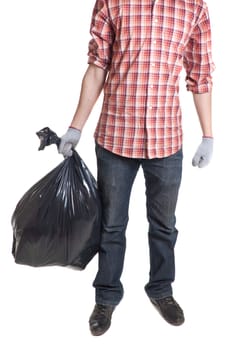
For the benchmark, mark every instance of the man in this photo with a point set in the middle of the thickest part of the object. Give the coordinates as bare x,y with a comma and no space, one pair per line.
136,53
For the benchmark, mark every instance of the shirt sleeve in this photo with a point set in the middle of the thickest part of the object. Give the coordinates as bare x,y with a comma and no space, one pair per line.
197,59
100,46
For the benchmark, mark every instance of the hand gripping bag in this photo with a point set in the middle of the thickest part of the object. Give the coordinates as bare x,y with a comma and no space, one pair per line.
57,221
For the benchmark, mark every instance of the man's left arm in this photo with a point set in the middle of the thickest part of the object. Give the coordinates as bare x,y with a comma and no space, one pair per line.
199,67
203,105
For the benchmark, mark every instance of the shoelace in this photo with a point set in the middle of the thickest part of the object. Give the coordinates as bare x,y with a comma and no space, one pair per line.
104,310
171,301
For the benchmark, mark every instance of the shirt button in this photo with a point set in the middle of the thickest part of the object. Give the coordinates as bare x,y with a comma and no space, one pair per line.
156,20
154,42
153,65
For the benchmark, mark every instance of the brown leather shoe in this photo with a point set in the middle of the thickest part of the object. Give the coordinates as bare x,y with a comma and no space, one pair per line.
169,310
100,319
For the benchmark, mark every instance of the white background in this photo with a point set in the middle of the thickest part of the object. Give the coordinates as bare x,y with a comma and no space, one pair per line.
43,58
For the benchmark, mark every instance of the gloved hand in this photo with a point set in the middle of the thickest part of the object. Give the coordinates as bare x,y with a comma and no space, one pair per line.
69,141
204,153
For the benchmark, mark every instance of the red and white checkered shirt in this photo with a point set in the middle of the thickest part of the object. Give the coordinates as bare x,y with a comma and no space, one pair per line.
144,44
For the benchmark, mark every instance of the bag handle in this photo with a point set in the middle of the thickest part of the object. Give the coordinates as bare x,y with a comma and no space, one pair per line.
47,137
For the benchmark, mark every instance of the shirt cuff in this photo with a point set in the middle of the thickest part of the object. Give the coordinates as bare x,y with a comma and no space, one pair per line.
200,88
97,62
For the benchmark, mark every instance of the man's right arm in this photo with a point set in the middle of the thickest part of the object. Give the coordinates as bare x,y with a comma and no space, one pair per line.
100,56
92,85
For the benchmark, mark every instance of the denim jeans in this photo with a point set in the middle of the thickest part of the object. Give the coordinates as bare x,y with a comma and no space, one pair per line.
116,175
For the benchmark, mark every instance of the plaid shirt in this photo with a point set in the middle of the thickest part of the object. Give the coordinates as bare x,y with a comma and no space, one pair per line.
144,44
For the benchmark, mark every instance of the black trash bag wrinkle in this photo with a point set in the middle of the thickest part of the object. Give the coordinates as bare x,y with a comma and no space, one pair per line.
57,221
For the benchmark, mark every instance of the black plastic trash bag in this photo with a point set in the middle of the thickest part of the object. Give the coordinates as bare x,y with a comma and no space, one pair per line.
57,221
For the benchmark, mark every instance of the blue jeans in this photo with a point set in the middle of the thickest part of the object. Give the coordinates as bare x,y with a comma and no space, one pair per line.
116,175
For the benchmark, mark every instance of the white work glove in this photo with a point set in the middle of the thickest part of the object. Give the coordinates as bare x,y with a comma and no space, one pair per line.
69,141
204,153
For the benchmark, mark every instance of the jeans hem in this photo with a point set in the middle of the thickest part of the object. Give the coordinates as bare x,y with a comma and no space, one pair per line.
106,302
160,296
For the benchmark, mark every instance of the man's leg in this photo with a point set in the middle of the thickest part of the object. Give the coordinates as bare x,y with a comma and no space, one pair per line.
163,178
115,179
